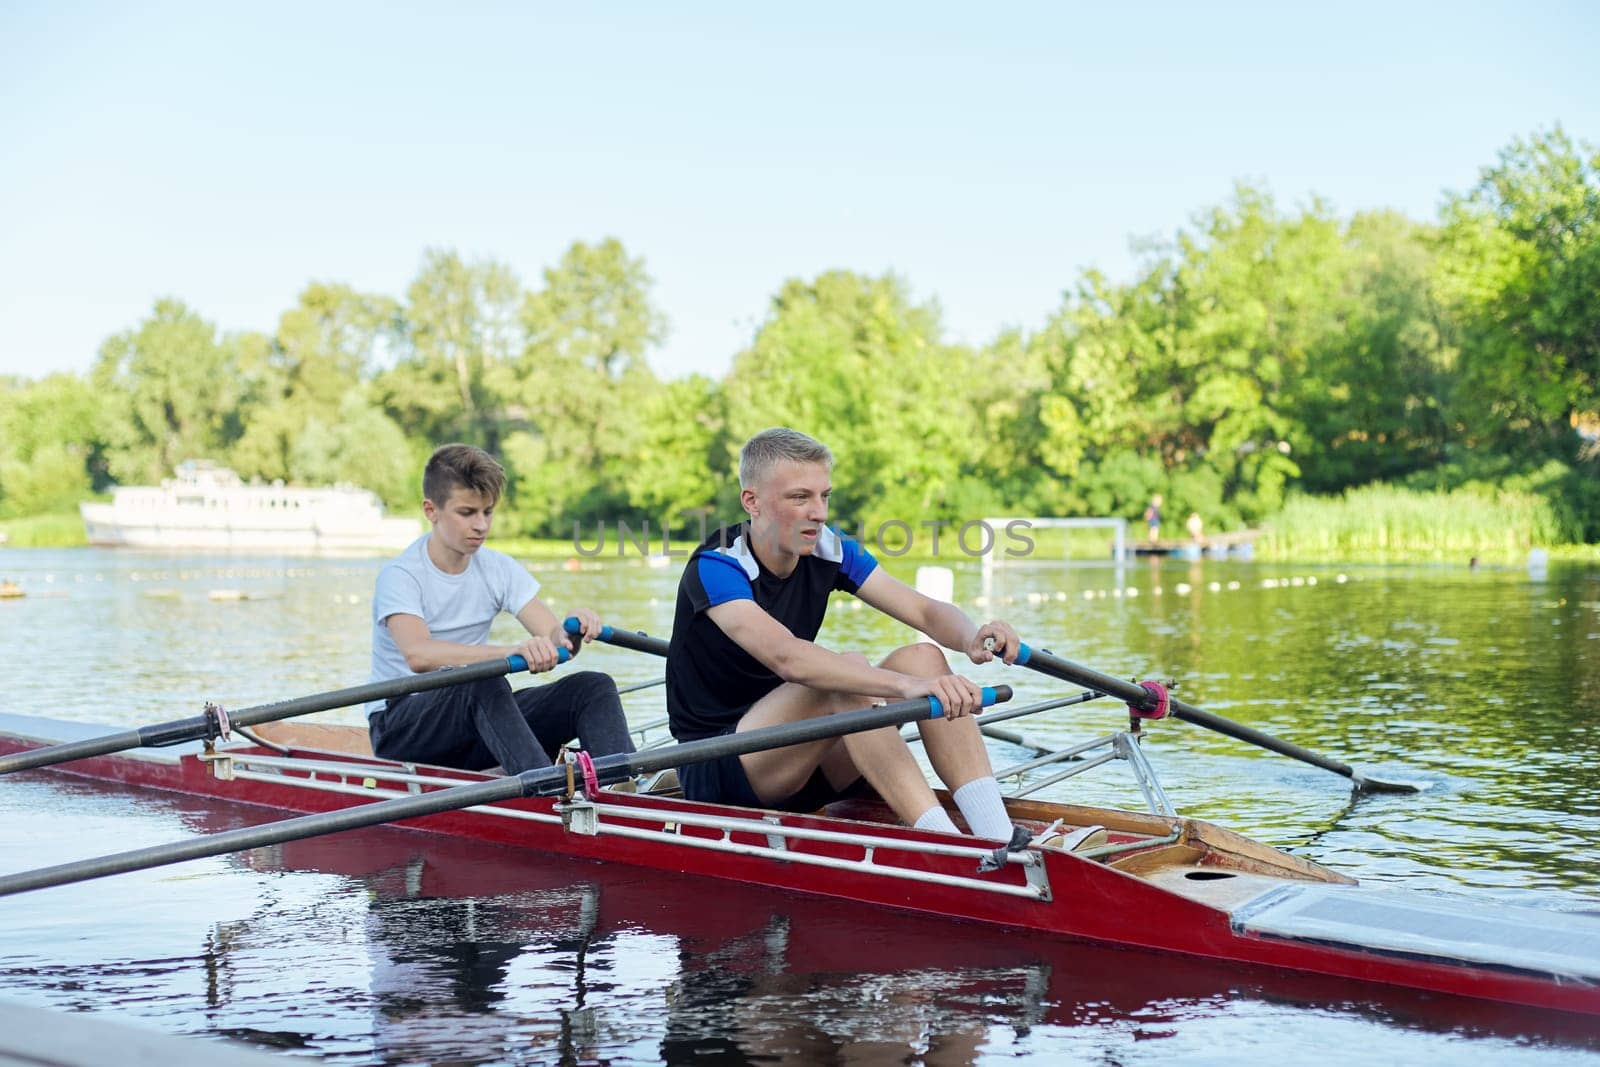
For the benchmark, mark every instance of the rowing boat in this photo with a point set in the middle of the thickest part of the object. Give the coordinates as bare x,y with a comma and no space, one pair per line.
1153,879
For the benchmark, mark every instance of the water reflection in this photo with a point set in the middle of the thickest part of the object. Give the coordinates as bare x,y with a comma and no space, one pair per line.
396,947
389,946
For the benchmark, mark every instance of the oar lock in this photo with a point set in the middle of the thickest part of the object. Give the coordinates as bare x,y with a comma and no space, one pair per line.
1160,694
217,725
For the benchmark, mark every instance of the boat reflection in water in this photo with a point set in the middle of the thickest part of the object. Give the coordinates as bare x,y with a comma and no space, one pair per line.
392,946
464,939
488,954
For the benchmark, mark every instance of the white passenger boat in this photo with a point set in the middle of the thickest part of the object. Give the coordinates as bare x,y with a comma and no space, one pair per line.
207,506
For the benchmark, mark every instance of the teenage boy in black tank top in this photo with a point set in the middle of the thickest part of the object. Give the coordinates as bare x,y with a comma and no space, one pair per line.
750,603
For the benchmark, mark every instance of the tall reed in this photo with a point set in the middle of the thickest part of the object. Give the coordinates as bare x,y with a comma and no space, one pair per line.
1380,522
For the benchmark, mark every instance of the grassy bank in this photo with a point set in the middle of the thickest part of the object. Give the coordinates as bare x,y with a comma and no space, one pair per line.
1386,523
1374,524
58,530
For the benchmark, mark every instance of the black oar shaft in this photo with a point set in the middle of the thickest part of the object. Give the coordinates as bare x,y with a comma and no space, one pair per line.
634,640
199,726
542,781
1140,697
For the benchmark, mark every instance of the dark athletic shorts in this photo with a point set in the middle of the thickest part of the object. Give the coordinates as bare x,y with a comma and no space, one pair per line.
723,781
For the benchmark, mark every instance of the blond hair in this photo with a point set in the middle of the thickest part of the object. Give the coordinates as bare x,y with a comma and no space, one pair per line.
770,447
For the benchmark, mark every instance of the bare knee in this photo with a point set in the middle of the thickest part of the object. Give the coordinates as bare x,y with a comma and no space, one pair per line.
923,659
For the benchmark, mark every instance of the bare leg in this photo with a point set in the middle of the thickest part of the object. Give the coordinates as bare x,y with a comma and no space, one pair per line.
880,755
955,746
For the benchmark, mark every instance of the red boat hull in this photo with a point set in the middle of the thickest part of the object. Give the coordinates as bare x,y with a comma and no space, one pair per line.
1088,900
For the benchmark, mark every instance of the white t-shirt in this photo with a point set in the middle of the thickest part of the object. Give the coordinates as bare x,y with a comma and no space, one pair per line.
455,607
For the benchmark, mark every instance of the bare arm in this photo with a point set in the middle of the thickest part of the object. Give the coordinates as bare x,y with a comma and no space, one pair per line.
540,621
809,664
424,652
803,662
944,622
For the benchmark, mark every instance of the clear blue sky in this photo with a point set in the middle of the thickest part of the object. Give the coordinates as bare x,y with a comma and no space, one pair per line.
228,154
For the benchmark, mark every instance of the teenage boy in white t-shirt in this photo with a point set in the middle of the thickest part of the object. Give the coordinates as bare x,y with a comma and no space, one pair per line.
432,608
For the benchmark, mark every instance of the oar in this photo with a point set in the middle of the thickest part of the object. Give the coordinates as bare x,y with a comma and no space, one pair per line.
544,781
209,725
1139,697
989,729
636,640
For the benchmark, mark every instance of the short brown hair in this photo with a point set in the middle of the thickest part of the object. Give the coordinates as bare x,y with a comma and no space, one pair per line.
457,466
773,446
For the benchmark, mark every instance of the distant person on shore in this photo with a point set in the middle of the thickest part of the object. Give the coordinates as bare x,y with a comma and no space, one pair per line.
1152,518
432,608
1196,526
751,602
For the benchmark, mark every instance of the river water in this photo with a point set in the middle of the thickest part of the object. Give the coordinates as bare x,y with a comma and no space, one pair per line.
387,946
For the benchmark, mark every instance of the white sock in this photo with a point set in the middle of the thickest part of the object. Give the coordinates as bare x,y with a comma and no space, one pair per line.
980,804
936,818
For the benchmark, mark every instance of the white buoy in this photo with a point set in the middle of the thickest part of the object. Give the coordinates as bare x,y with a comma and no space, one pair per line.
937,582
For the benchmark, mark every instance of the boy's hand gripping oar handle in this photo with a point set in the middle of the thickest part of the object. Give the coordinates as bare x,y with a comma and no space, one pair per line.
1140,698
544,781
211,725
518,664
637,640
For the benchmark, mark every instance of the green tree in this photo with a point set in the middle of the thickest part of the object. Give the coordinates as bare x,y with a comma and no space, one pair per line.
53,478
360,446
854,362
459,329
171,385
1371,402
580,385
1521,267
50,445
677,469
325,347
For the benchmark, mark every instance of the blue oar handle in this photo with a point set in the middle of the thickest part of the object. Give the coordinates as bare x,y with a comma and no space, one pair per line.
990,699
1024,654
574,627
634,640
520,664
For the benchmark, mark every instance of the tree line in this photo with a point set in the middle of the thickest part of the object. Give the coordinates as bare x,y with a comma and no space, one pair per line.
1258,353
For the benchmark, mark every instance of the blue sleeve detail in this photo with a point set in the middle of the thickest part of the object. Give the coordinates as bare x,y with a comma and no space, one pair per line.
722,579
856,563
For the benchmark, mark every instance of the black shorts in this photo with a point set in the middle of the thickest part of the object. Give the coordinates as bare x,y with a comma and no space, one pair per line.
723,781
